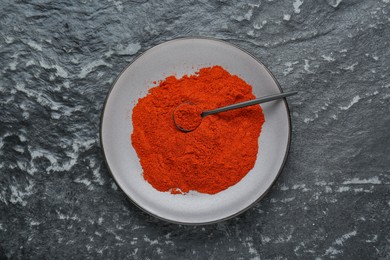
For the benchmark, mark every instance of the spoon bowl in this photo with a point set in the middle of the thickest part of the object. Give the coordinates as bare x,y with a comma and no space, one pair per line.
187,117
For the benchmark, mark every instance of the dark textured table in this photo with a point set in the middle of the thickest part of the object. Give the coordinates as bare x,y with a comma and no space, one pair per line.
58,60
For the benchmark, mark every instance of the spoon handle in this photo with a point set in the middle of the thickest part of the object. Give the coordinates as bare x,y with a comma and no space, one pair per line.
248,103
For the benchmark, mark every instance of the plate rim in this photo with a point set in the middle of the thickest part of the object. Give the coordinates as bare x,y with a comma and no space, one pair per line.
194,223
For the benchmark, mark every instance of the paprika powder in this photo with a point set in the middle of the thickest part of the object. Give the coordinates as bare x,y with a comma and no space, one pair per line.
213,157
187,117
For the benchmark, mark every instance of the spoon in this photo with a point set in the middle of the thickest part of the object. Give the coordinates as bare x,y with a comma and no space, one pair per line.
186,110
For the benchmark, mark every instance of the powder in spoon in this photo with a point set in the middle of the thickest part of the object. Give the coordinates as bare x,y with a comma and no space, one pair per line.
187,117
213,157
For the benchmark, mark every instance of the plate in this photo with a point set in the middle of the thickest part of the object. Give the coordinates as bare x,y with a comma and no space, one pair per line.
179,57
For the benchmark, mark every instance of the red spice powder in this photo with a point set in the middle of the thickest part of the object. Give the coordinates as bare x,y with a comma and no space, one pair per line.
210,159
187,117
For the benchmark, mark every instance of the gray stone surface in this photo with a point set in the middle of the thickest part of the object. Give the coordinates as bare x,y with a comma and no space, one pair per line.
58,60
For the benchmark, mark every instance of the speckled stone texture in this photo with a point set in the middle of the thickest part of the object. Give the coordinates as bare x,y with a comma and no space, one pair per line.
58,60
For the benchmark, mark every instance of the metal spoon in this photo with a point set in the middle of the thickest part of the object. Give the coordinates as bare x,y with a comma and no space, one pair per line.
231,107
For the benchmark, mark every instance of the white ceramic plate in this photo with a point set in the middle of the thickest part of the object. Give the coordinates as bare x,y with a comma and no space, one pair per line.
179,57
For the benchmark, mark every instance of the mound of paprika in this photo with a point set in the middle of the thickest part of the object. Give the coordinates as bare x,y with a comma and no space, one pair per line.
213,157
